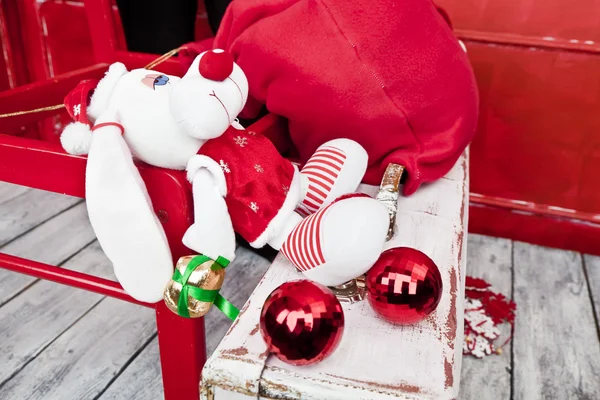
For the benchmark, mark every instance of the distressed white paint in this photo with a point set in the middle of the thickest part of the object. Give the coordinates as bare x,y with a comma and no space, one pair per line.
374,358
220,393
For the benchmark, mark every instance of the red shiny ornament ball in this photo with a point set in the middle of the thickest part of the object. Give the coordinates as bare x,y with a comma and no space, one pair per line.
302,322
404,286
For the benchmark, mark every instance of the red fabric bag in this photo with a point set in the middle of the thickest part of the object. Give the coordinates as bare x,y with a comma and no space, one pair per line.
389,74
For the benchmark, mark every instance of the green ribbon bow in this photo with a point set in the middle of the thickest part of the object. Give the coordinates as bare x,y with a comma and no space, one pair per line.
210,296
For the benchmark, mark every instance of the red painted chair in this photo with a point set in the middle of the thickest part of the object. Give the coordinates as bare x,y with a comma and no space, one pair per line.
44,165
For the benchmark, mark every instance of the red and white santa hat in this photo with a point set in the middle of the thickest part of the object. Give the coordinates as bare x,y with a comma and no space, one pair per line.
85,103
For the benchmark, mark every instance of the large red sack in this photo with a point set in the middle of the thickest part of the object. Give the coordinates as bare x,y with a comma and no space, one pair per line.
389,74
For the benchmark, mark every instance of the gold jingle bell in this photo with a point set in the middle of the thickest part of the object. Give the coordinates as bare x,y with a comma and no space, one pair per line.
195,286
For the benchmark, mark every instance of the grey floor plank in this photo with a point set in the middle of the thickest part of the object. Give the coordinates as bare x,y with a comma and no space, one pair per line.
84,359
48,305
52,243
142,379
489,378
62,344
556,350
9,191
21,213
592,266
241,279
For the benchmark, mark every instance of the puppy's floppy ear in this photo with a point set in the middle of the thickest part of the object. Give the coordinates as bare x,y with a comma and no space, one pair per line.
122,216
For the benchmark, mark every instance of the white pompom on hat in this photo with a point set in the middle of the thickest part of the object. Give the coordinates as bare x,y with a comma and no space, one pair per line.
88,99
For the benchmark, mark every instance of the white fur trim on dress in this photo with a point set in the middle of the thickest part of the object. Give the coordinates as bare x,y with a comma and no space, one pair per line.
101,97
285,212
76,138
199,161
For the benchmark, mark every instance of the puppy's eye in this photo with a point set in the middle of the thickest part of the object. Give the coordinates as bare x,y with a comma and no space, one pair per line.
153,80
161,80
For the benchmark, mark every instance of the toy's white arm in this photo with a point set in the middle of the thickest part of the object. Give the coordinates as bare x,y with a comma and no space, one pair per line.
212,232
122,216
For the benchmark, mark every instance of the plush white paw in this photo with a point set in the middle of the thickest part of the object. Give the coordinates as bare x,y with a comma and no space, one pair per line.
339,242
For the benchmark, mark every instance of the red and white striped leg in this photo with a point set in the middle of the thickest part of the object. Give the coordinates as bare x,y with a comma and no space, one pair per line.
339,242
336,168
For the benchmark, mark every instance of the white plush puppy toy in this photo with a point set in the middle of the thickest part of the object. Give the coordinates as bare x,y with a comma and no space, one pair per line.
240,182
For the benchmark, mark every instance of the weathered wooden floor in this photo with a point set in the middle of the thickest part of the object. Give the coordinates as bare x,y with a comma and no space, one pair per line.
60,343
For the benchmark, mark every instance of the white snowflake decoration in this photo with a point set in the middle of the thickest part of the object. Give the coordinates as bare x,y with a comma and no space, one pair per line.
480,342
478,346
485,311
480,322
259,168
77,109
253,206
472,304
285,189
240,141
224,166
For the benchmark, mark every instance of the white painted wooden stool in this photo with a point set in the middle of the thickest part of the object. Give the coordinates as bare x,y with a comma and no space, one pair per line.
375,359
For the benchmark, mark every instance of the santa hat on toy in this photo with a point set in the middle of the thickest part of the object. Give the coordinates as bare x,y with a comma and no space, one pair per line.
84,104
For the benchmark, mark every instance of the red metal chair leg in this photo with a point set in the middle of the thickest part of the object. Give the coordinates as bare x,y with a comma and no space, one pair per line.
182,349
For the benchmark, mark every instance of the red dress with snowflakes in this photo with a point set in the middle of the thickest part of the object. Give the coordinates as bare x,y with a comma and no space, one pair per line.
258,179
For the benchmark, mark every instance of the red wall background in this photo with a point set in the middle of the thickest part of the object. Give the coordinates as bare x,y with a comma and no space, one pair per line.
538,70
537,150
